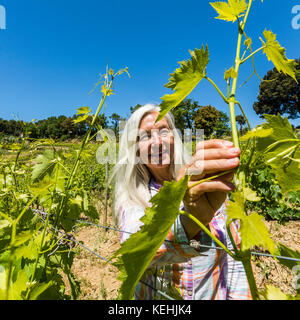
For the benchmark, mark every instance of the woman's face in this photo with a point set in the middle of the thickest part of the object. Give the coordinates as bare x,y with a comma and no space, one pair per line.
155,143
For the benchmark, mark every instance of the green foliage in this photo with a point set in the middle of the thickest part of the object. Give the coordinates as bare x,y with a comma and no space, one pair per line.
279,93
206,118
212,121
184,114
230,11
280,150
273,203
221,128
274,142
137,252
35,251
45,164
273,293
276,54
59,128
184,80
252,229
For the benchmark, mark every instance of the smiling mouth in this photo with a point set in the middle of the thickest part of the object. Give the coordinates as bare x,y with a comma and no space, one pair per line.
158,154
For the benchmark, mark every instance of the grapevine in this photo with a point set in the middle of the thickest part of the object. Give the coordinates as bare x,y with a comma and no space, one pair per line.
274,141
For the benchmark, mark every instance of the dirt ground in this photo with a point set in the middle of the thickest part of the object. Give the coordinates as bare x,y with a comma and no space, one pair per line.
99,279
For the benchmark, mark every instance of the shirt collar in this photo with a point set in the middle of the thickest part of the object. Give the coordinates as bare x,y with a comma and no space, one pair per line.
154,185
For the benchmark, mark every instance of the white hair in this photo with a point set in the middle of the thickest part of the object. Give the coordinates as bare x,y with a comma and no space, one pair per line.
131,176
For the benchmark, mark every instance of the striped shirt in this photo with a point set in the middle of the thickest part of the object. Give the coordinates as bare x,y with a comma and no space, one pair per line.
177,267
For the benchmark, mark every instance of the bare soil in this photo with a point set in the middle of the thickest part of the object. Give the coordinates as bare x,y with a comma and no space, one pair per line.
99,279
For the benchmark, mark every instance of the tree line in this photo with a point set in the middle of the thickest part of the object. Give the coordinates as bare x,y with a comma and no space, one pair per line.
278,93
188,115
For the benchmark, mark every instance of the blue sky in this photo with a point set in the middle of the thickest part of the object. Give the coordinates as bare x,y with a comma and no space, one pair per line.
52,52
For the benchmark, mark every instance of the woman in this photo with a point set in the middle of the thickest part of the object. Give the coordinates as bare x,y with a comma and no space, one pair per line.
152,152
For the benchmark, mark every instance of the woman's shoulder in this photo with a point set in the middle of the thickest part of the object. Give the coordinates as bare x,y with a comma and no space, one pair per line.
129,207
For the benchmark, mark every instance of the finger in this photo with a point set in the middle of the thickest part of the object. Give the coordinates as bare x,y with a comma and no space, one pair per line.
209,186
224,177
213,143
200,168
216,153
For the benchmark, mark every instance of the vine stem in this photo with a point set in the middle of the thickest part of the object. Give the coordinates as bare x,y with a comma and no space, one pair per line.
252,54
217,88
246,260
245,256
202,226
210,178
234,82
76,164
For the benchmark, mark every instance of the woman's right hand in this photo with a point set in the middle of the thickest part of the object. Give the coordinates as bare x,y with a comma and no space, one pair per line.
203,200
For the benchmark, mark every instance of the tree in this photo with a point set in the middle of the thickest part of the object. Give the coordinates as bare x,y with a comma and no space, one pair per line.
215,123
221,128
184,114
115,119
241,121
279,93
206,118
132,109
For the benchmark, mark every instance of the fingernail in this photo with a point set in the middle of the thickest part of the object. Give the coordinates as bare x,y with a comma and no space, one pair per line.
233,161
228,143
234,150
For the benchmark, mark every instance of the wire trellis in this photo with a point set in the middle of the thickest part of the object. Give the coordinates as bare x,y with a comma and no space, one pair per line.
70,237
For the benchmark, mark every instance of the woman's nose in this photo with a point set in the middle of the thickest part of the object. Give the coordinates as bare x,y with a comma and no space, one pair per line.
156,139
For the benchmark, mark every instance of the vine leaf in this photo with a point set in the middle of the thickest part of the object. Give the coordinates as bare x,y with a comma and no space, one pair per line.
45,164
276,54
256,132
279,149
184,80
138,250
273,293
230,11
287,252
230,73
253,230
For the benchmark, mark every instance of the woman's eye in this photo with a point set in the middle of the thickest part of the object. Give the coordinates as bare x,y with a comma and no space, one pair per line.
144,137
164,132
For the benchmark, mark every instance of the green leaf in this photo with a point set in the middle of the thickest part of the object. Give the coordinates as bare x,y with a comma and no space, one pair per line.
276,54
18,287
256,132
230,74
284,251
137,252
72,212
83,110
38,289
45,164
250,194
273,293
253,231
4,227
106,90
279,149
22,237
184,80
248,42
81,118
230,11
92,212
